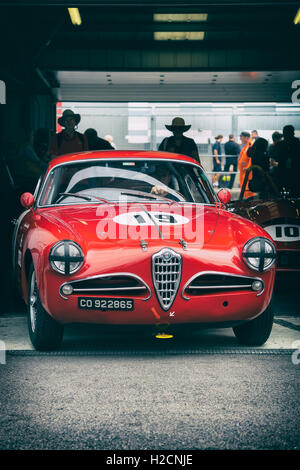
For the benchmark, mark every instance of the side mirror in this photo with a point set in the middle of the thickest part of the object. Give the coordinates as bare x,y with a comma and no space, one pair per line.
224,195
27,200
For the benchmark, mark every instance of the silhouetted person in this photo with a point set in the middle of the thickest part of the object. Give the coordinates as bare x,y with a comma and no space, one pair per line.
68,140
254,135
164,176
276,137
287,153
41,145
178,143
258,153
95,142
31,161
231,148
217,160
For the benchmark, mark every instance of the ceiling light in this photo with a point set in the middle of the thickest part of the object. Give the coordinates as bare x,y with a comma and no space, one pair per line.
75,16
179,17
179,35
297,17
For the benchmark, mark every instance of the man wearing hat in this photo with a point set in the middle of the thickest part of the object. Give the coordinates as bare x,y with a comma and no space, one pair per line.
68,140
178,143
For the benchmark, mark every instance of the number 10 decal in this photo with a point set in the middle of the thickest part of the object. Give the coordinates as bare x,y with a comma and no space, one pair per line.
284,232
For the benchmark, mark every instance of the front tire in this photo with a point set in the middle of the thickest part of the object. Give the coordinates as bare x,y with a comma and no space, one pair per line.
256,332
45,333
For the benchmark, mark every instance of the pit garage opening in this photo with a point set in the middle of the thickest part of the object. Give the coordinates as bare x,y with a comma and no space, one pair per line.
141,125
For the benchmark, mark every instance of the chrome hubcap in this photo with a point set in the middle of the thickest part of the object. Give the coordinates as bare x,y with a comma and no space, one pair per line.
32,302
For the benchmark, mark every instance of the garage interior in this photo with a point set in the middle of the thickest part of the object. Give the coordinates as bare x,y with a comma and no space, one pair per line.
220,64
115,55
128,67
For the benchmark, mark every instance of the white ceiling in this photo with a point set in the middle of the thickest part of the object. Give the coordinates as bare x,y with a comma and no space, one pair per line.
176,86
132,78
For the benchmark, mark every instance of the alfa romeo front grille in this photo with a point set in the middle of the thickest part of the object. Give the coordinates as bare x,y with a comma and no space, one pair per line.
166,273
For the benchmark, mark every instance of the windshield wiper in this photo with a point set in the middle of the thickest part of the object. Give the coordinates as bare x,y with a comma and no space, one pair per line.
87,198
99,199
83,196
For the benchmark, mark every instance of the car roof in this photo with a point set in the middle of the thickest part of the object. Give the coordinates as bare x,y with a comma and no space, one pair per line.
129,154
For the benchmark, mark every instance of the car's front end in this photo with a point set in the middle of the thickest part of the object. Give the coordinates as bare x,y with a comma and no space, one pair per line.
163,280
135,241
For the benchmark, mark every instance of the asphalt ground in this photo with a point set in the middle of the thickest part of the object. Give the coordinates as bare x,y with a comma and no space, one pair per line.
131,392
164,402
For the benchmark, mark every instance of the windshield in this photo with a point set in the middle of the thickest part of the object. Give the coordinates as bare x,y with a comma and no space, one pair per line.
136,181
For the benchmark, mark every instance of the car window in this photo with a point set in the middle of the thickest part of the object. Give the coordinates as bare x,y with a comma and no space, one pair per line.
115,180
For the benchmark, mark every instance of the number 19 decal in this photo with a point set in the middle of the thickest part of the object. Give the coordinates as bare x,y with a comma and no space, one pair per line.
143,219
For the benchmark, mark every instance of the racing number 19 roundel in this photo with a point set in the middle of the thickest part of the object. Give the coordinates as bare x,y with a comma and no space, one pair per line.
150,218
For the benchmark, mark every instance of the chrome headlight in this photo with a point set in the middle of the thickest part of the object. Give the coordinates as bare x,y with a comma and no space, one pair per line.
259,254
66,257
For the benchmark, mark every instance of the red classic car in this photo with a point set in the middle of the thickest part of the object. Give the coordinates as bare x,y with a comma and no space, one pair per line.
279,214
139,238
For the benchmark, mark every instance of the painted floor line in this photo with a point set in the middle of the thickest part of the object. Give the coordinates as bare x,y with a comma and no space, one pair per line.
287,324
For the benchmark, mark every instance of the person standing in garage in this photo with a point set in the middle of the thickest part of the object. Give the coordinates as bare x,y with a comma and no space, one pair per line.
31,160
287,154
254,135
68,140
276,137
232,149
95,142
217,160
258,152
245,161
178,143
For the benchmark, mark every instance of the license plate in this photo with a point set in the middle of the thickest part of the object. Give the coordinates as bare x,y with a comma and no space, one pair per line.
94,303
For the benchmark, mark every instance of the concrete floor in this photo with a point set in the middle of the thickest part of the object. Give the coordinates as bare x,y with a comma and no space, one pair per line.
13,331
216,401
108,390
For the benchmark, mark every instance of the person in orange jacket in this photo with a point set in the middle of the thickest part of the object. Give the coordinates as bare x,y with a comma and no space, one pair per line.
244,162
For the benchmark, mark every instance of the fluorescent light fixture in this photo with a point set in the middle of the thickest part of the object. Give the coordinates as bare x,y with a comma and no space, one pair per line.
75,16
181,17
297,17
179,35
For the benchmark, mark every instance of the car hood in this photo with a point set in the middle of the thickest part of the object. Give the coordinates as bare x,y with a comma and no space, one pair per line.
125,225
208,234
